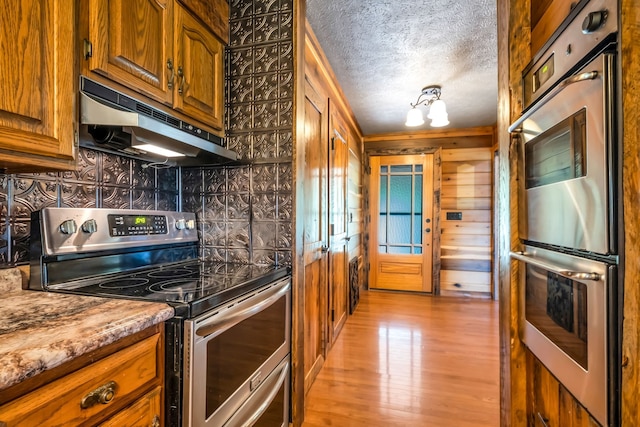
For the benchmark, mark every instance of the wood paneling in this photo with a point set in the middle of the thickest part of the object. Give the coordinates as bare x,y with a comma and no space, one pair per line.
630,62
400,361
467,190
546,17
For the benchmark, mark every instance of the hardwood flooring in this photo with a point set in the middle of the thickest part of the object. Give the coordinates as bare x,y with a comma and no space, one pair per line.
411,360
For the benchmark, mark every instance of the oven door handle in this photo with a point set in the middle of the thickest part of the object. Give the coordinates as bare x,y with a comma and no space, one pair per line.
243,310
587,75
574,275
258,402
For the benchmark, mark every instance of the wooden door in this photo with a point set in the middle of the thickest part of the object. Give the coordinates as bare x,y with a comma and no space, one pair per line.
132,44
199,87
37,88
338,241
401,222
315,233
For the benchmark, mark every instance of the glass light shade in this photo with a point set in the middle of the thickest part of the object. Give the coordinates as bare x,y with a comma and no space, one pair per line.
438,109
414,117
440,121
438,114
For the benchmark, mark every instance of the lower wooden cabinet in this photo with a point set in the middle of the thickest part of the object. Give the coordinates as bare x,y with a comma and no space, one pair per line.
549,403
121,389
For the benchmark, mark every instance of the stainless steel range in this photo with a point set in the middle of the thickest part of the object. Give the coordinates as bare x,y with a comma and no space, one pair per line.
228,346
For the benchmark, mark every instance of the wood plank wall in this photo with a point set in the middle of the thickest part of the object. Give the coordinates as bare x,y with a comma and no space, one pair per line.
466,243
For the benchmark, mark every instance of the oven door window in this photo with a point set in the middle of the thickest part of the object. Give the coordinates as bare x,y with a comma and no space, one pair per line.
236,354
558,154
557,307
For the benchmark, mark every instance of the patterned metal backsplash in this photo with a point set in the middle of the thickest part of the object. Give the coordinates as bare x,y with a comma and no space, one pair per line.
244,213
101,180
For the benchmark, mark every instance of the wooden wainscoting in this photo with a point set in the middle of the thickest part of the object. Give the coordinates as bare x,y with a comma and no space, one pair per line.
465,221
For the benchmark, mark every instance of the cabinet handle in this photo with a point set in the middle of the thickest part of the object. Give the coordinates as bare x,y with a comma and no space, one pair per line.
182,82
543,420
173,73
103,394
156,421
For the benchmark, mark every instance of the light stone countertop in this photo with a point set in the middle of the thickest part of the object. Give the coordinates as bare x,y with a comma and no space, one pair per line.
42,330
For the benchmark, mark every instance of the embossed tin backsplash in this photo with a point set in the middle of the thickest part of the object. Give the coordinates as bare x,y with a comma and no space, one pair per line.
247,211
244,213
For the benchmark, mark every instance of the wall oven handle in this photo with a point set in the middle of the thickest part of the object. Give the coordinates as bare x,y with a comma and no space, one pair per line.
260,401
587,75
574,275
243,310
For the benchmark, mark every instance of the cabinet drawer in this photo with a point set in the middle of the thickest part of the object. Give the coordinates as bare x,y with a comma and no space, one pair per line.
146,411
60,402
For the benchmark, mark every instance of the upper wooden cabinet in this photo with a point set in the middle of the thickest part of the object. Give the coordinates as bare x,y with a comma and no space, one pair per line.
158,49
37,85
200,73
131,44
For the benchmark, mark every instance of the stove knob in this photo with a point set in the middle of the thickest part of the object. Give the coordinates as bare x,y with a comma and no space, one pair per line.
68,227
90,226
181,224
191,224
593,21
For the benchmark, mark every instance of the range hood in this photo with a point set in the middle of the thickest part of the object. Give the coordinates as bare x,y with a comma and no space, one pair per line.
115,122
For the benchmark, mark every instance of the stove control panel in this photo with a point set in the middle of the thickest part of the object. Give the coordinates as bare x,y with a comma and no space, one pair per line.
83,230
135,225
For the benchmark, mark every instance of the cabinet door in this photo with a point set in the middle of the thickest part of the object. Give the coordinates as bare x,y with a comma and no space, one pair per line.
572,414
37,84
199,84
131,44
543,394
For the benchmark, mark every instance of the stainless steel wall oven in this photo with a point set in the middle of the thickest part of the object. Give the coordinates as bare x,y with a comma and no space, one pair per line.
569,228
227,348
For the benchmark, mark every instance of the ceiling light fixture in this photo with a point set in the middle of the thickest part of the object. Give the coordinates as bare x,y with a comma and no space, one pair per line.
437,113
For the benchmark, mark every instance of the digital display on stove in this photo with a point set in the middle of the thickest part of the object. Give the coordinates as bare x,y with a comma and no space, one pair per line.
135,225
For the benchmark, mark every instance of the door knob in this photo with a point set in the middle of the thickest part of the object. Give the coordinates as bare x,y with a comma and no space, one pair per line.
324,248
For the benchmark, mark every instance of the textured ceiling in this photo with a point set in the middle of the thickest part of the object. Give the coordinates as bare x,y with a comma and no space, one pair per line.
383,52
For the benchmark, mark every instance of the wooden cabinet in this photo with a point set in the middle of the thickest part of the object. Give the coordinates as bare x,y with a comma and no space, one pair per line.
37,85
549,404
160,50
131,44
121,389
200,73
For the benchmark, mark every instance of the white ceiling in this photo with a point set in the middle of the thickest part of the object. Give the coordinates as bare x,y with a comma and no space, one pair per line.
383,52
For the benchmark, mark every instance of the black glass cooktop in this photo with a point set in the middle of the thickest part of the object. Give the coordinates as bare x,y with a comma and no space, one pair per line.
191,288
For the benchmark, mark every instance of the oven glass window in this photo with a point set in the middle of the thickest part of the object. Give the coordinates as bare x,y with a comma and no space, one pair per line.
557,307
235,355
558,154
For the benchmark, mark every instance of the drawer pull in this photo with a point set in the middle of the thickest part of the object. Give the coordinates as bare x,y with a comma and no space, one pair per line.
103,394
156,421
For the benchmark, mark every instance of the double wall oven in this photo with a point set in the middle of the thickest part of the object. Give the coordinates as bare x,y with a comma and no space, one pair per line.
568,177
227,348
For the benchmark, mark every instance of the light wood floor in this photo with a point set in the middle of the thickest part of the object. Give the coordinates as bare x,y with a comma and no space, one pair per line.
411,360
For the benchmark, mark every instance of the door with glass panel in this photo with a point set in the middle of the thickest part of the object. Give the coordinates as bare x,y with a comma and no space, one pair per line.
401,222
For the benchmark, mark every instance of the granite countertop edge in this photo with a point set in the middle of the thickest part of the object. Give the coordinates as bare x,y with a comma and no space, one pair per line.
42,330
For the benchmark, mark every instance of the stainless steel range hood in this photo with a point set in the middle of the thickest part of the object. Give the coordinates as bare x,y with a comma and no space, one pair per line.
115,122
